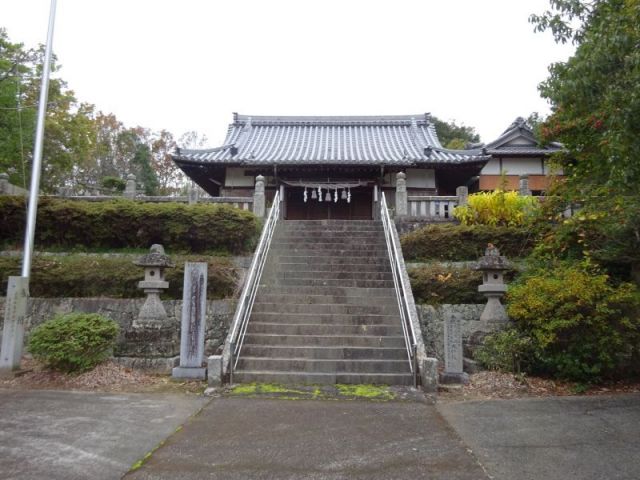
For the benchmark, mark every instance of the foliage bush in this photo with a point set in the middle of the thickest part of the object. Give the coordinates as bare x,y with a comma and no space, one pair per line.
461,242
497,208
73,342
438,284
582,327
126,223
508,350
93,276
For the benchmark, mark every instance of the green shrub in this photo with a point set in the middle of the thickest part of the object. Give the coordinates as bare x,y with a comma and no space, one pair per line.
461,242
122,223
509,350
73,342
435,284
117,277
497,208
438,284
582,327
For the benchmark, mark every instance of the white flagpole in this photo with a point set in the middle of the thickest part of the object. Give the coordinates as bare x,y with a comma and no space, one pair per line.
37,149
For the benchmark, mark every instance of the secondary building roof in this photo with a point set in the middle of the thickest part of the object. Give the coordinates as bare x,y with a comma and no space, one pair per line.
519,140
402,140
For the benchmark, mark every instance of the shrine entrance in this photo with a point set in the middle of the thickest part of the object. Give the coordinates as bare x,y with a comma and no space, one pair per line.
354,203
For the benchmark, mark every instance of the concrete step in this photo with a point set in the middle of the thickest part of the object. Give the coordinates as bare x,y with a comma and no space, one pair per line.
339,251
327,318
314,275
326,308
323,329
330,244
327,267
278,257
292,282
329,353
325,340
325,299
301,378
324,235
323,366
327,290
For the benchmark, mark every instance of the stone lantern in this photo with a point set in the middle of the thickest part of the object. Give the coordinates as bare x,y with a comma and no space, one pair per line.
493,265
152,314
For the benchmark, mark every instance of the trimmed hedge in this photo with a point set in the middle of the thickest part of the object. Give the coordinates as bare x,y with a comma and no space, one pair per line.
459,242
435,284
123,223
116,277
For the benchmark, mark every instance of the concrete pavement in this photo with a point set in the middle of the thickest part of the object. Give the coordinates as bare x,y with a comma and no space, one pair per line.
556,438
244,438
79,435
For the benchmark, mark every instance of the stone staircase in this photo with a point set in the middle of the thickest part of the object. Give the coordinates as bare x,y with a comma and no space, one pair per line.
326,310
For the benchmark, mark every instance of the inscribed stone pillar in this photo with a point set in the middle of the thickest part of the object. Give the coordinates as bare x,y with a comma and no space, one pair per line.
524,185
130,187
259,205
453,359
401,194
463,195
194,313
13,330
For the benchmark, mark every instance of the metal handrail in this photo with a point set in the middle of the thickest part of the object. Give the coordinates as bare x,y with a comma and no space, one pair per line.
250,289
401,288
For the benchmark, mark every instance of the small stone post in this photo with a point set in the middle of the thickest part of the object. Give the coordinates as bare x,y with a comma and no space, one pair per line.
194,314
259,205
15,311
463,196
193,193
152,314
493,266
453,360
401,195
130,188
524,185
4,183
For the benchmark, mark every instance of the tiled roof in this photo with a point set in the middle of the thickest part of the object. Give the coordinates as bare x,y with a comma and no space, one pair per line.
353,140
527,142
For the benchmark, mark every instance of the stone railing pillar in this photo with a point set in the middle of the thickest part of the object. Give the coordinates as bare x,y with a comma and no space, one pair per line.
463,196
4,183
259,204
401,195
130,188
524,185
193,193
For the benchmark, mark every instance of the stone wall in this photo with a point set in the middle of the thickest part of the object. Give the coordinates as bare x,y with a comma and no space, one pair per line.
473,329
152,349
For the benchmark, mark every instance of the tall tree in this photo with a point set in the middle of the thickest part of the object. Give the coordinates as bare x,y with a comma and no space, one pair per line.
454,136
170,177
595,98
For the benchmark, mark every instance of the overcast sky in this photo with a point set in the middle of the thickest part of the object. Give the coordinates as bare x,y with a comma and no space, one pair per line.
188,64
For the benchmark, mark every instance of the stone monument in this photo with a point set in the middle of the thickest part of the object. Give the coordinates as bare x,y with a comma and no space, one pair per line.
493,265
259,205
453,359
402,208
194,315
152,314
13,329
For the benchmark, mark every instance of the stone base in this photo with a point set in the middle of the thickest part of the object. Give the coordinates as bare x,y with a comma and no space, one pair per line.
158,365
195,373
429,374
451,377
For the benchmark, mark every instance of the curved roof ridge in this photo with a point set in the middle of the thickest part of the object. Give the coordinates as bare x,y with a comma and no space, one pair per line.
421,118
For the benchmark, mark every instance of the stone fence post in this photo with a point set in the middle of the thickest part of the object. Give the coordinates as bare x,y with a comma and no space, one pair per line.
4,183
463,196
259,205
130,188
401,195
524,185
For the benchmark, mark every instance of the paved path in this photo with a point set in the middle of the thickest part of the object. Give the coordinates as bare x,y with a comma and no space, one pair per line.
80,435
242,438
570,438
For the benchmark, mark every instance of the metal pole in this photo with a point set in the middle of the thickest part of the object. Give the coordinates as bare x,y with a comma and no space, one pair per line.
37,149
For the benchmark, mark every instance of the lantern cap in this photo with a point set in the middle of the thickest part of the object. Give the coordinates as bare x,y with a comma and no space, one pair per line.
155,258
